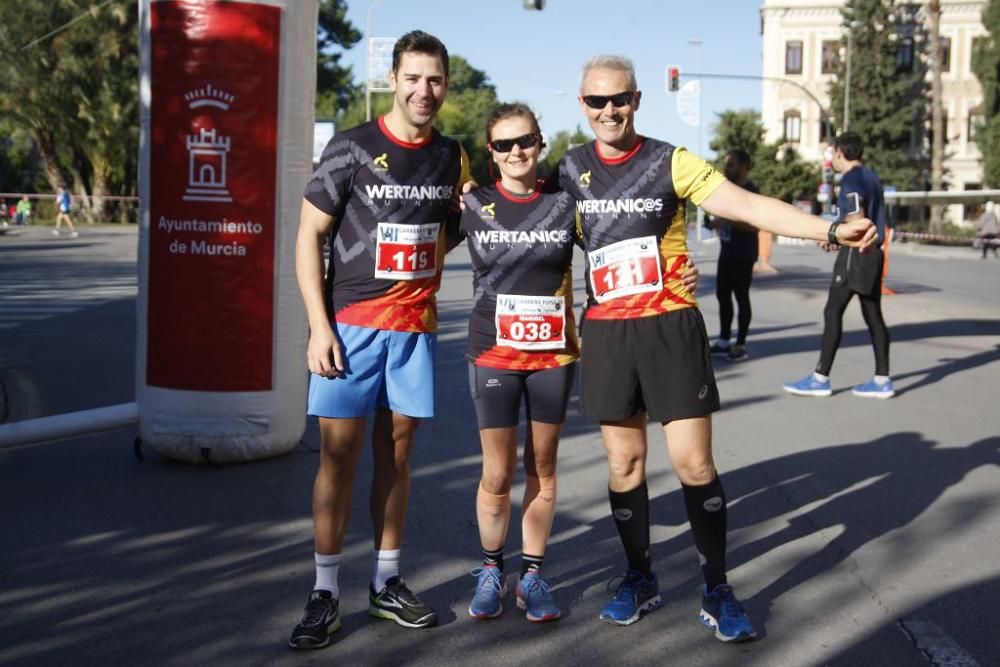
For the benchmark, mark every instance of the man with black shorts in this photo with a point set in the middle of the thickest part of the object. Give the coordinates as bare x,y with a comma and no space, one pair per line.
645,348
383,195
860,196
734,271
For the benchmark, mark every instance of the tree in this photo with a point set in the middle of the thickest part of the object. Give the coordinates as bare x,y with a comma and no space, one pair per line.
887,100
558,144
737,129
778,170
335,87
937,111
471,99
74,93
986,65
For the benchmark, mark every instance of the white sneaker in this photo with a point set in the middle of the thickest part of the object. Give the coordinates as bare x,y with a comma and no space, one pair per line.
73,235
55,232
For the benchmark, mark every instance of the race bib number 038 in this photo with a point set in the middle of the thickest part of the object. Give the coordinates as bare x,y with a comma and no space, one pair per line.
627,267
531,322
406,252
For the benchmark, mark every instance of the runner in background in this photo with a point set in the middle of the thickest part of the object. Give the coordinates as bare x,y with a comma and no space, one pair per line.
63,203
860,196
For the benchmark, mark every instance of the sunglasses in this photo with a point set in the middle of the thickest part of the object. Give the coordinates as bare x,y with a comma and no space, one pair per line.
601,101
507,145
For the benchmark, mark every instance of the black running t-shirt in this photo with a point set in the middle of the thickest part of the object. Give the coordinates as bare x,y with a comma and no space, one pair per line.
522,251
392,204
632,224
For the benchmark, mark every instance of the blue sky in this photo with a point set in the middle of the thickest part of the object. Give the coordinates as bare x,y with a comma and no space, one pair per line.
535,57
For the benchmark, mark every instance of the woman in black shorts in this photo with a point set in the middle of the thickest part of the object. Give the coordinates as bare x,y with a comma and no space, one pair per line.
522,349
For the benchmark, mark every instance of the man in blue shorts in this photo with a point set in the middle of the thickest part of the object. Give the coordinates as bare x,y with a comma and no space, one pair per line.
382,197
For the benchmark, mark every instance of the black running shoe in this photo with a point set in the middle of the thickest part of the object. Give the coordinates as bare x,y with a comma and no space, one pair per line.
398,603
320,620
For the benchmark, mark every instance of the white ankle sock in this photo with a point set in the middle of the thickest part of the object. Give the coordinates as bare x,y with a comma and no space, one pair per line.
327,568
881,379
821,378
385,566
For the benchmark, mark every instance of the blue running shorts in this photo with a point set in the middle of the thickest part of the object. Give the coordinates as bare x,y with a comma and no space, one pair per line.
386,369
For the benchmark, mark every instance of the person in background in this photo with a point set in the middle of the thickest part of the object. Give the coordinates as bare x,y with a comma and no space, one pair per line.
737,254
854,273
988,229
22,214
63,203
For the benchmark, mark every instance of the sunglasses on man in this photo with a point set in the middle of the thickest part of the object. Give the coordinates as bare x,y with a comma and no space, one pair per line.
524,142
617,100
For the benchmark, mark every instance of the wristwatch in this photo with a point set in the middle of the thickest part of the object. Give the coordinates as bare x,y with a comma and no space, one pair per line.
831,234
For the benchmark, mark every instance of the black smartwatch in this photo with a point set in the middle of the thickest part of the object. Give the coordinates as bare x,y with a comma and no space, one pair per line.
831,234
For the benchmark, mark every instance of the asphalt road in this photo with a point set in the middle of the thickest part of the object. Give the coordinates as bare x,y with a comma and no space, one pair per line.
862,532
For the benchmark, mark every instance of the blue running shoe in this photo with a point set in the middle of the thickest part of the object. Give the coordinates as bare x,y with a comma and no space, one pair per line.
809,386
873,389
636,594
534,597
491,585
722,612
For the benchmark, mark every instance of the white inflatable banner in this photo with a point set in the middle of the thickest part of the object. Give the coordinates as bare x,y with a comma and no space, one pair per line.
227,98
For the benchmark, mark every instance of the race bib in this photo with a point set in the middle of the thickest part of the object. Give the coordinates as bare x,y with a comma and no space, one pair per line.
627,267
406,252
531,322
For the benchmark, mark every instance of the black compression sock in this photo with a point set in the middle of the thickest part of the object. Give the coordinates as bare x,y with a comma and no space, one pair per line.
494,558
631,514
530,564
706,510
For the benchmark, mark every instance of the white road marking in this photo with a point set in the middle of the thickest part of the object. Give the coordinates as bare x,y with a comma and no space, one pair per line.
939,648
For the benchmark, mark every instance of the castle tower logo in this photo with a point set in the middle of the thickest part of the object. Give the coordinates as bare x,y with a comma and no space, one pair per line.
208,150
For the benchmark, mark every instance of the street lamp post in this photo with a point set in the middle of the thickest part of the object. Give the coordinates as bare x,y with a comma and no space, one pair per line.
368,60
701,213
851,26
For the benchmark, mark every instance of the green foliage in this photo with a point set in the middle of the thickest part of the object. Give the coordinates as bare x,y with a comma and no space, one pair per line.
558,144
74,93
335,87
886,102
17,163
778,170
737,129
986,65
471,99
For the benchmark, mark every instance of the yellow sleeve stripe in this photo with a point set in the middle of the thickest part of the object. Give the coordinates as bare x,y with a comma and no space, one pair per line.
694,178
466,175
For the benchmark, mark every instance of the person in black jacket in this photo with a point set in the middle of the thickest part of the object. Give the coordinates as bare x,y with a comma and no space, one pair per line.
737,255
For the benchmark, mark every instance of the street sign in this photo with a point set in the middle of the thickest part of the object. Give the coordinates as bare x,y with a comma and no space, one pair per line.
689,103
379,63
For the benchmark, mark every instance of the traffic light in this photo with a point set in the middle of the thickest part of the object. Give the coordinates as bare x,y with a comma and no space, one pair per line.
673,79
534,4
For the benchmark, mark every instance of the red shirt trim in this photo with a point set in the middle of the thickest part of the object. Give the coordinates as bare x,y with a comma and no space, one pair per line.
399,142
617,160
510,196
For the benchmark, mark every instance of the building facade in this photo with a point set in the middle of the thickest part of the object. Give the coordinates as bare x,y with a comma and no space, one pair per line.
802,42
